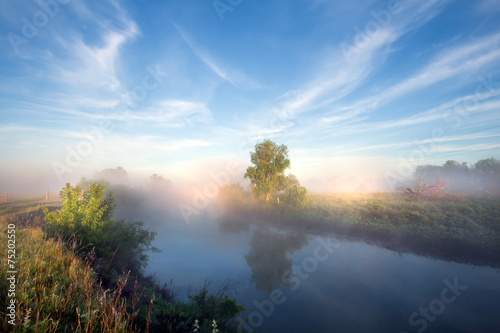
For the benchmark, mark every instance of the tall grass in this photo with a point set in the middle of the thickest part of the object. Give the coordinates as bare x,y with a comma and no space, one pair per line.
57,291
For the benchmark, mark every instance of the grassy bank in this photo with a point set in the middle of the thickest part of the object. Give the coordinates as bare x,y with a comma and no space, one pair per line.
59,288
463,228
56,291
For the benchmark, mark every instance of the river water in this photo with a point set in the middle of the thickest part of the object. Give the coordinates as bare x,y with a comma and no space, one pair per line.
300,282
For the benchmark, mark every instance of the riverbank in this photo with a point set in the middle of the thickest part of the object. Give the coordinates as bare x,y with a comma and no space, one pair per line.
57,289
456,227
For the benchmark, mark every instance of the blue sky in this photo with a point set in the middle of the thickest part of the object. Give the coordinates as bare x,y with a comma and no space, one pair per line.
357,90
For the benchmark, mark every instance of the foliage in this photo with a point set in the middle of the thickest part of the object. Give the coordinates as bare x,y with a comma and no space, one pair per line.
114,176
88,216
482,176
287,181
202,308
270,162
295,197
124,195
231,192
231,195
488,173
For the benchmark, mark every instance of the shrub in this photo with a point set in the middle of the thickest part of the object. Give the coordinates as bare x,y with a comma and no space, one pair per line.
88,217
295,197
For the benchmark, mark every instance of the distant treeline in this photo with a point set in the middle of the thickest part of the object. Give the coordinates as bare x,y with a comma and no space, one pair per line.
460,177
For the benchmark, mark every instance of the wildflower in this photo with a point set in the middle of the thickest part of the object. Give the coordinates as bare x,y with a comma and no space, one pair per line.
196,326
214,325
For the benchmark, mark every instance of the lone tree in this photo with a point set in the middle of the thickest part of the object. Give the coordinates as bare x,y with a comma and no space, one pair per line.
267,175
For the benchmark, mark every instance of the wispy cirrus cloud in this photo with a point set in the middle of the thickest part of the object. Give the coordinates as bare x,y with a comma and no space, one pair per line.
73,75
465,148
338,78
169,113
155,143
182,144
465,59
445,115
404,145
95,64
227,73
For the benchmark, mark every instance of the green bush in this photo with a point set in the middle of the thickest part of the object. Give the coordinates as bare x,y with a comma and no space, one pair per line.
295,197
88,217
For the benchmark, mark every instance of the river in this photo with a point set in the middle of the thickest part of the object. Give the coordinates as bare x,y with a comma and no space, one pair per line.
301,282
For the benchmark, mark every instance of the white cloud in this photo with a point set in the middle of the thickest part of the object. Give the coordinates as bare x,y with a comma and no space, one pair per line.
94,66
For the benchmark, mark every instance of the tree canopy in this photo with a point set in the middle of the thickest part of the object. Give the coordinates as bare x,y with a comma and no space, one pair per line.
114,176
271,161
481,176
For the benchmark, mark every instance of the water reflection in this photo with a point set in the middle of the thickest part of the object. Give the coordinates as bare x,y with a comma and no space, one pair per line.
268,257
358,288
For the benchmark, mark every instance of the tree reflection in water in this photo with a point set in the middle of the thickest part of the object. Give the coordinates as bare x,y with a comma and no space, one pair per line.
268,257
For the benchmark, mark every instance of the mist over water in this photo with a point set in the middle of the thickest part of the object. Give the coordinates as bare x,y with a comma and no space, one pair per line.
350,286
